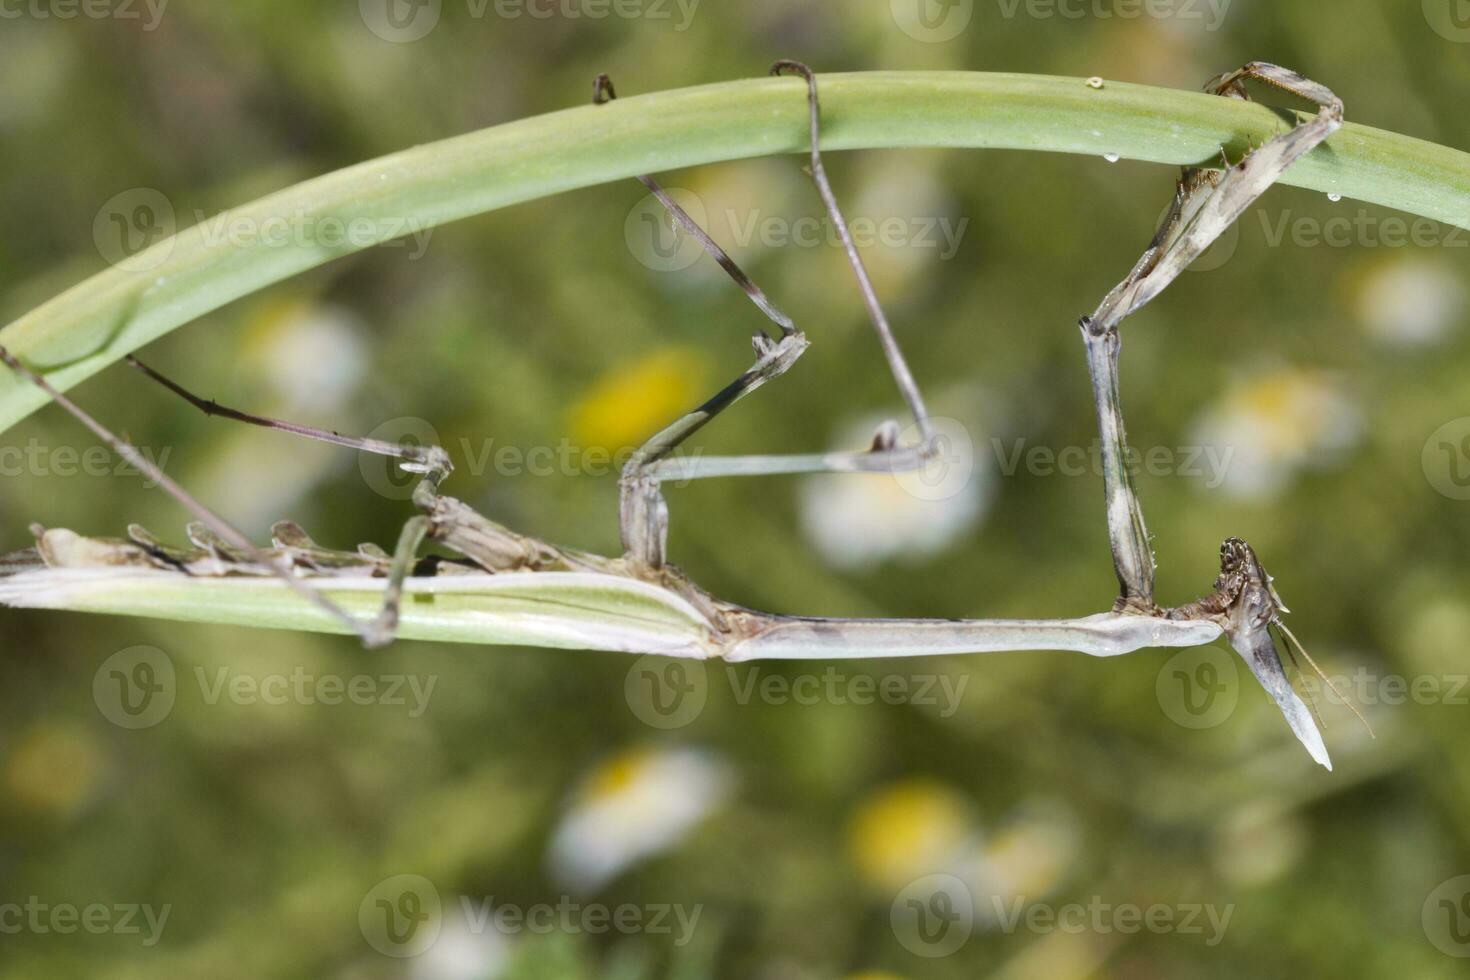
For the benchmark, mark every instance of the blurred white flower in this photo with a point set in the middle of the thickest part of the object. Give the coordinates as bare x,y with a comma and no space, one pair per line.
903,221
1257,842
313,354
636,804
1271,424
313,358
855,520
1411,302
462,953
1028,858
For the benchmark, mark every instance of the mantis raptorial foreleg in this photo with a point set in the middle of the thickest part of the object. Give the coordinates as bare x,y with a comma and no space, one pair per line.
891,351
372,634
1205,203
643,514
430,461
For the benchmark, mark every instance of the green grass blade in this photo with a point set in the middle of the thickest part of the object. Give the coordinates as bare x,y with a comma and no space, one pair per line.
117,311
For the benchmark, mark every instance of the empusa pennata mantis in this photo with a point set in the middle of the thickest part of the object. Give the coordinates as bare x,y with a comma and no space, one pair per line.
1243,604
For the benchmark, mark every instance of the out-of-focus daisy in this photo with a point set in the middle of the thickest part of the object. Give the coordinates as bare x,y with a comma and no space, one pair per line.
1271,424
632,401
910,829
1258,842
1411,302
1028,857
636,804
313,353
903,222
462,952
860,519
313,358
920,827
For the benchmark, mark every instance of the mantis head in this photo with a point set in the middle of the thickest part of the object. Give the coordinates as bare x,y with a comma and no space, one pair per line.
1251,607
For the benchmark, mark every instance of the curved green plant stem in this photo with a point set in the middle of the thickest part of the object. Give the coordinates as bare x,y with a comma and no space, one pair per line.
181,278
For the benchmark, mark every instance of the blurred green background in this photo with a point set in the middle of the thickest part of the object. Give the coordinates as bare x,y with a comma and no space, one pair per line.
1306,388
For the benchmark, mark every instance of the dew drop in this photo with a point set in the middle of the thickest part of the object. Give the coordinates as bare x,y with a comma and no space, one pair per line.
1095,82
1111,157
1333,197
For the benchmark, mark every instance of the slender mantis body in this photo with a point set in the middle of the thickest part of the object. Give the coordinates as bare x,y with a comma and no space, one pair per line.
1243,605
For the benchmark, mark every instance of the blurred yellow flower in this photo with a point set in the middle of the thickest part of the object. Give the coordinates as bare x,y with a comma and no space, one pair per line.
632,401
52,770
907,830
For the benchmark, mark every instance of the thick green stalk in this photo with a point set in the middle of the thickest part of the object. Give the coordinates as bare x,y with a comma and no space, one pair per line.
120,309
